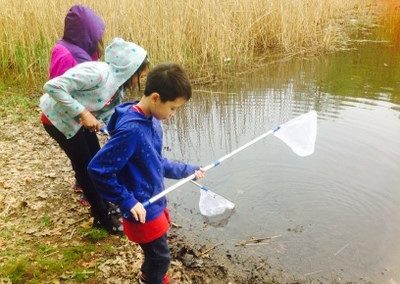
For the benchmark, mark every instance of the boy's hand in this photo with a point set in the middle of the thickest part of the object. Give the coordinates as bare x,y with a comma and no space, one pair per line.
89,121
200,173
138,212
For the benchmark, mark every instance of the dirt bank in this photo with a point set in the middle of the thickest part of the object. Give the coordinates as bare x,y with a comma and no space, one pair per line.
46,235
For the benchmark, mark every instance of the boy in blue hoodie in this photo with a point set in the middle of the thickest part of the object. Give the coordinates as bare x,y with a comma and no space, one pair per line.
130,168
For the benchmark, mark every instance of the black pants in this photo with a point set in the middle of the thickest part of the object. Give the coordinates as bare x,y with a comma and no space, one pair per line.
156,260
80,149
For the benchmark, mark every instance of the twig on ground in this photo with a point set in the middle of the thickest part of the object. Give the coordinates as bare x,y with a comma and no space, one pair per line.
72,233
339,251
256,244
50,254
175,225
5,211
314,272
78,221
210,249
255,241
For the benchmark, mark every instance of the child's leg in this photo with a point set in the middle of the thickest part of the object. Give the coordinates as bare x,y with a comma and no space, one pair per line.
80,154
80,149
156,260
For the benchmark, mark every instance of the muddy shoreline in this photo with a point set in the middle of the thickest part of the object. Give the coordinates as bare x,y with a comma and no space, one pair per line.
41,218
38,207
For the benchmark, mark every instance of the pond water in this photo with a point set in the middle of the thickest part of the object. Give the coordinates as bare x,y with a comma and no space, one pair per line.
337,212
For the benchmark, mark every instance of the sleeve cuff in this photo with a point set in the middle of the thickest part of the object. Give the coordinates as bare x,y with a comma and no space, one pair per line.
77,109
128,204
190,169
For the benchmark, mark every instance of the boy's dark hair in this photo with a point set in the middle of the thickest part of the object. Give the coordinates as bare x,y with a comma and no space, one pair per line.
170,81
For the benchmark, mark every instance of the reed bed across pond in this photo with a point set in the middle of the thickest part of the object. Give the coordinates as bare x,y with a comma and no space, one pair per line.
208,37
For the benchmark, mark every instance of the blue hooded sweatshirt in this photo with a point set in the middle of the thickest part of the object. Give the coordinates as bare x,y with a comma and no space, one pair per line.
130,167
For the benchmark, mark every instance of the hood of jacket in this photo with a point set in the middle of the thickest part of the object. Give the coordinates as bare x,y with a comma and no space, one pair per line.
124,114
83,29
124,59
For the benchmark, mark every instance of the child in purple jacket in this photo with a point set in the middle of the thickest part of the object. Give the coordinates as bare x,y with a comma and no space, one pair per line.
82,41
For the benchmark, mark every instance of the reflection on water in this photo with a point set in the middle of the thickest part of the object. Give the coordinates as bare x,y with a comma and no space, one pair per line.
337,211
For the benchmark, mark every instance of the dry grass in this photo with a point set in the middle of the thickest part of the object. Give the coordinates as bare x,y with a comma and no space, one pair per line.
208,37
390,26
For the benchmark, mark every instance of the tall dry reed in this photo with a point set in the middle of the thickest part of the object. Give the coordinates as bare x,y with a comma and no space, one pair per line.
390,21
208,37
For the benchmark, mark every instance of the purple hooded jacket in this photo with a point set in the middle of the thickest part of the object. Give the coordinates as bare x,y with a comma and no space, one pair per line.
83,29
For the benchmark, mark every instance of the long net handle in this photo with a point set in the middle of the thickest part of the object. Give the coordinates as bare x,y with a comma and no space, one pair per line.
206,168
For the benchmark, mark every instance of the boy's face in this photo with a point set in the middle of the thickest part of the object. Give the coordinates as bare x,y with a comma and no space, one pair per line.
166,110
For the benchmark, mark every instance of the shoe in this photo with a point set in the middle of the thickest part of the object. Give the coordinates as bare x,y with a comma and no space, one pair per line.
166,279
109,223
77,188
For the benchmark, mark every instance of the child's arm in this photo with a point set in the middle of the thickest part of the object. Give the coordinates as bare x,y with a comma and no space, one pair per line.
107,163
89,121
178,170
79,78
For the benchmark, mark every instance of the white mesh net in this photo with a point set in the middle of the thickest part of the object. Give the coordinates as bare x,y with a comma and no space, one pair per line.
300,133
212,204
